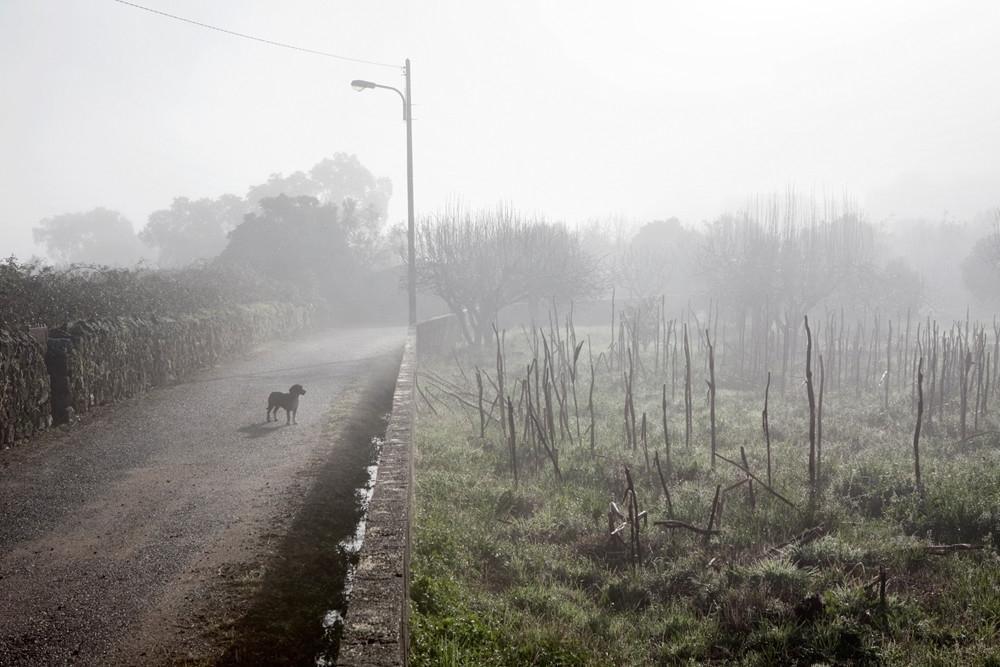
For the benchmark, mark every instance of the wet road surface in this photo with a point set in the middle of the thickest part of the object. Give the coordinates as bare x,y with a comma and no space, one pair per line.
117,535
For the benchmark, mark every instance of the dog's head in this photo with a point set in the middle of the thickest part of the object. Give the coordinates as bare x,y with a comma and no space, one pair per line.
296,390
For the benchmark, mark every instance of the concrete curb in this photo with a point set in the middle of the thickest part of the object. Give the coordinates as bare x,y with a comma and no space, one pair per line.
376,629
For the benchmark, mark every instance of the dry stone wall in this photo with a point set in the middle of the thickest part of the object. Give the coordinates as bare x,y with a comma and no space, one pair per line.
93,362
24,387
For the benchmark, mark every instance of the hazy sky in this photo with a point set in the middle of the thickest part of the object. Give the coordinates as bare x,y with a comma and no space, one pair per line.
572,109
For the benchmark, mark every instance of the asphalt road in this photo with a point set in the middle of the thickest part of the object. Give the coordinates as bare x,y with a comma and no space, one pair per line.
115,533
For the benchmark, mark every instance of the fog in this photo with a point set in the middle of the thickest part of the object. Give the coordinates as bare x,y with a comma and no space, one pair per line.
661,260
641,111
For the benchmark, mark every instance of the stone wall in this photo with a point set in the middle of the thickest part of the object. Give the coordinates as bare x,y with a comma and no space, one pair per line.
438,335
97,362
94,362
24,387
376,630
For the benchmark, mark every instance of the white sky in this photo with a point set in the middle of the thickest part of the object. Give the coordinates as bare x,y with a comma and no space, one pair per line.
571,109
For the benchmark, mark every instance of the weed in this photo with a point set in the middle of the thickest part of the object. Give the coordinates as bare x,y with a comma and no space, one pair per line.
531,573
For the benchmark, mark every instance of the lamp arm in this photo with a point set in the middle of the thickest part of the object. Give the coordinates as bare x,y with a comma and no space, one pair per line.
401,96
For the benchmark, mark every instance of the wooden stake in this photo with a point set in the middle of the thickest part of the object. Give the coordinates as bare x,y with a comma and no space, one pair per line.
666,431
482,413
819,422
711,393
663,485
812,416
711,517
687,390
746,464
916,430
767,430
512,438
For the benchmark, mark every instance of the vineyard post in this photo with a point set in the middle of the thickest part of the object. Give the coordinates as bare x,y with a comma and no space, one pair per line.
687,390
512,438
711,392
767,431
812,416
916,430
966,366
611,348
590,400
888,367
482,413
663,484
666,430
500,373
645,446
819,421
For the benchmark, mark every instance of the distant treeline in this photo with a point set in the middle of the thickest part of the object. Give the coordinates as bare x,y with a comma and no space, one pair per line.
772,261
321,236
316,237
190,230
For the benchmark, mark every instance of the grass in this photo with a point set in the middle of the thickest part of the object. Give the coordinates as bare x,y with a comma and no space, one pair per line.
505,575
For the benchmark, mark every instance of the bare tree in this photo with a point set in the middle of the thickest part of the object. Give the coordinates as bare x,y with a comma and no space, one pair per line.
787,251
478,262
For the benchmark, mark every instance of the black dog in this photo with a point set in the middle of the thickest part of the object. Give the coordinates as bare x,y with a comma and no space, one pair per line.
289,401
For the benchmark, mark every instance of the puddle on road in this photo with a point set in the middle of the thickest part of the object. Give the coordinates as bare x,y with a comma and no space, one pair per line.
296,618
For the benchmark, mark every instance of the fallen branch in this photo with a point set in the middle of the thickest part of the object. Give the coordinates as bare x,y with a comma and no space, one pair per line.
456,397
758,480
805,537
426,400
736,485
430,394
444,382
715,508
642,516
945,549
459,364
674,523
663,483
976,435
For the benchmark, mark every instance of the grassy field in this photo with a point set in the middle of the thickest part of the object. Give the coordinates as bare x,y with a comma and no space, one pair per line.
531,574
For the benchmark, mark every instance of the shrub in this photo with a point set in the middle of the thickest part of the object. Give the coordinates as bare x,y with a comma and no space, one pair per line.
35,294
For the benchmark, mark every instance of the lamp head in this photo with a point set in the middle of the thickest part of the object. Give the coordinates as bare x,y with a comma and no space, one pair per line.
360,84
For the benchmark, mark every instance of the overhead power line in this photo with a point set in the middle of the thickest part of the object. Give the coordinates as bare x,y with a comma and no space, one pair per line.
283,45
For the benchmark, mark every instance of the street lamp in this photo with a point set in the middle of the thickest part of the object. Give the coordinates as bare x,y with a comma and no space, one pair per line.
360,85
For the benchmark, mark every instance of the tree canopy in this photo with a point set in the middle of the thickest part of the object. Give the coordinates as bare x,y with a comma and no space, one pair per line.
191,230
295,240
659,256
197,229
981,269
98,236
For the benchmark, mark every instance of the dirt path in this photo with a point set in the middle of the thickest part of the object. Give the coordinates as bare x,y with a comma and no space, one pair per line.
145,534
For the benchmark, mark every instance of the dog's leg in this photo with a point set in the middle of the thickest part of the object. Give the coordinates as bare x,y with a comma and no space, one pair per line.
288,416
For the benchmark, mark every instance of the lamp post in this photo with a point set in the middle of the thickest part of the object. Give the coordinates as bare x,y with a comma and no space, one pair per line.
360,85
